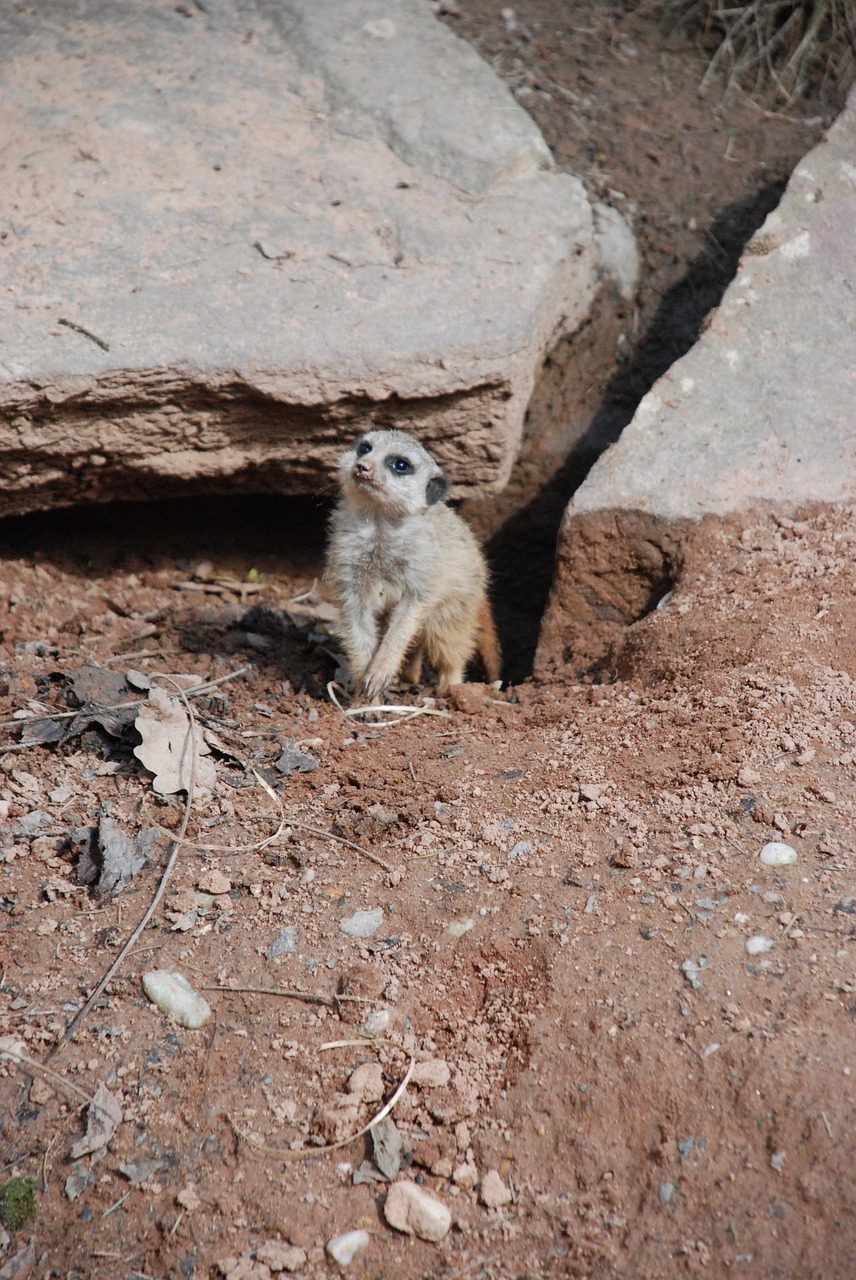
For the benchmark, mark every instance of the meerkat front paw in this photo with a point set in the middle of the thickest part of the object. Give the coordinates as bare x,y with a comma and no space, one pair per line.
374,685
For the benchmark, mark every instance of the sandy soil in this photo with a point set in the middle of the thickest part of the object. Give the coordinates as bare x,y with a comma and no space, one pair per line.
562,879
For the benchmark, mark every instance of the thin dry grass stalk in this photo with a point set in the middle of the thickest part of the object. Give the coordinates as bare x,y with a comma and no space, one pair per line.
789,46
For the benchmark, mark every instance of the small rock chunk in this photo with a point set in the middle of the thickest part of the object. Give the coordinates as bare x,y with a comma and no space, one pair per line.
362,924
416,1212
174,996
279,1256
344,1248
493,1192
776,854
214,882
366,1082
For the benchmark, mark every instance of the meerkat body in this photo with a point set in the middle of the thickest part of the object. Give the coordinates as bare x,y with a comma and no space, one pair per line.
406,571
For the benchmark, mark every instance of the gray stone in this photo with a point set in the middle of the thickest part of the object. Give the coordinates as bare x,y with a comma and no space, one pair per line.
362,924
285,943
236,234
758,413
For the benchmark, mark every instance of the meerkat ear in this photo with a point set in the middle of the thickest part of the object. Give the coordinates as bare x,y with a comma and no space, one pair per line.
436,488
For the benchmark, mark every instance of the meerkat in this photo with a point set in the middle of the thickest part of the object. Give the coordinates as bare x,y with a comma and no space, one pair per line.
406,571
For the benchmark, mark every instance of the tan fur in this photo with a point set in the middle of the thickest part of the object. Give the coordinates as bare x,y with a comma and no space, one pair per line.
406,571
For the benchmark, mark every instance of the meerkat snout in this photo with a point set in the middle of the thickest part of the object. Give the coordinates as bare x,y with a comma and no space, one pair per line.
407,572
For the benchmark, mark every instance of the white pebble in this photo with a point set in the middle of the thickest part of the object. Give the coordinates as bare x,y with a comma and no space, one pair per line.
375,1023
343,1249
174,995
457,928
362,924
776,854
410,1209
758,945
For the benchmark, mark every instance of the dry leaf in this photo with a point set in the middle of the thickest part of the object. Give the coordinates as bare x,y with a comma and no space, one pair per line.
166,750
110,858
105,1116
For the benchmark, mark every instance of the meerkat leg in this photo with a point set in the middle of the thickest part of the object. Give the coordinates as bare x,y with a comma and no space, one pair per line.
359,640
405,622
412,672
488,643
450,641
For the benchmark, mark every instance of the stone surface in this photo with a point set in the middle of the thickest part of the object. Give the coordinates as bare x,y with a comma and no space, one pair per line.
759,412
287,220
409,1209
174,996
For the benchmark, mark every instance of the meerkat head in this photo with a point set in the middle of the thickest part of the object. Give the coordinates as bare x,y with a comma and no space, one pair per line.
390,471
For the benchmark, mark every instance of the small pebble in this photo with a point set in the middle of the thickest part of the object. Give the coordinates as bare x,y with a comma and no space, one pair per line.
493,1192
521,849
366,1082
214,882
457,928
776,854
759,945
777,1160
666,1192
375,1023
279,1256
416,1212
174,995
285,943
466,1176
343,1249
433,1074
362,924
748,777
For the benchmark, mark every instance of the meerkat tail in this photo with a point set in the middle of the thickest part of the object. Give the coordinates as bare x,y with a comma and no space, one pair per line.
488,643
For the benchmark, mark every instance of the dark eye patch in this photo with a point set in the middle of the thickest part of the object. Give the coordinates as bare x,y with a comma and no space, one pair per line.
363,447
400,466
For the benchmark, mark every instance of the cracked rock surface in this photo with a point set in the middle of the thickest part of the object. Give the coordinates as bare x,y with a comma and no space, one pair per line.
236,235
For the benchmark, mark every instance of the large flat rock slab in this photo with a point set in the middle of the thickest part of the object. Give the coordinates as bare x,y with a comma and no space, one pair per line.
274,223
760,413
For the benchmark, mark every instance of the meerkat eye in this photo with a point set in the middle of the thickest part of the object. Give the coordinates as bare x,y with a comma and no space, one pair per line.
363,448
400,466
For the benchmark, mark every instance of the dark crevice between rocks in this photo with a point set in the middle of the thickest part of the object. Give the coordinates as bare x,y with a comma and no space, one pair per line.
522,550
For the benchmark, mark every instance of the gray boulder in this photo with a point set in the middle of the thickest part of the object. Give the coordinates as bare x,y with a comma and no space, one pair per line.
760,413
236,234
